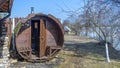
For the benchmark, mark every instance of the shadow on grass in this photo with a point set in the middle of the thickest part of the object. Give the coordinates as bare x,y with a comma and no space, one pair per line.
91,48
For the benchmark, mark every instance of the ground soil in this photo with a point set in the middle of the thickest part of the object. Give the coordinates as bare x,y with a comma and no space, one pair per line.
78,52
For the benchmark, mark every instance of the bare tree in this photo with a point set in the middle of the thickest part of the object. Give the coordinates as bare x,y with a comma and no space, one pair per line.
102,15
103,18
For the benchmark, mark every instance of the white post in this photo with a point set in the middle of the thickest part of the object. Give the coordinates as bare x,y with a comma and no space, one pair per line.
13,38
107,52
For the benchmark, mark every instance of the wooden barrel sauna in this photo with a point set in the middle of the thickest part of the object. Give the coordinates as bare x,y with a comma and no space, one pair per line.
39,37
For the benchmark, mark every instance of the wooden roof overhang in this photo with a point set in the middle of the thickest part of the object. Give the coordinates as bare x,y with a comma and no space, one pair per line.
5,7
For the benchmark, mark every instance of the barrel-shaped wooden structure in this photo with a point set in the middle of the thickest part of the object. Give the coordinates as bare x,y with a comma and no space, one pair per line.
39,37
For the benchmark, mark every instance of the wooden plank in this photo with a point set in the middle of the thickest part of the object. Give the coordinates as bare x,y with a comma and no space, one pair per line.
42,38
23,42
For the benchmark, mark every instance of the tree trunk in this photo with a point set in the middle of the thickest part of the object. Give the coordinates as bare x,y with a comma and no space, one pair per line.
86,32
107,52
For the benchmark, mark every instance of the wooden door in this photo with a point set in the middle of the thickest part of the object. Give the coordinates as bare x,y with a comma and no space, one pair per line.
42,38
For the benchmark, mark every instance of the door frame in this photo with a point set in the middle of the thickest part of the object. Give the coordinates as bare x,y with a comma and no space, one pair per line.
42,37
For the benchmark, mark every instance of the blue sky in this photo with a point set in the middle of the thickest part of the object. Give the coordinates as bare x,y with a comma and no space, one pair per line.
21,8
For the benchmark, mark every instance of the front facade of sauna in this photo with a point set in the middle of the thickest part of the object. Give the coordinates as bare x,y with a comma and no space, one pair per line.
38,37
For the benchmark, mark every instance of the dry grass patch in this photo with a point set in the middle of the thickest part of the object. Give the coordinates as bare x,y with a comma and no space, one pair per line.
80,52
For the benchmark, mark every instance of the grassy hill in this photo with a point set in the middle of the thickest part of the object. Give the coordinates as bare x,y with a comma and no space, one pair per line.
81,52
